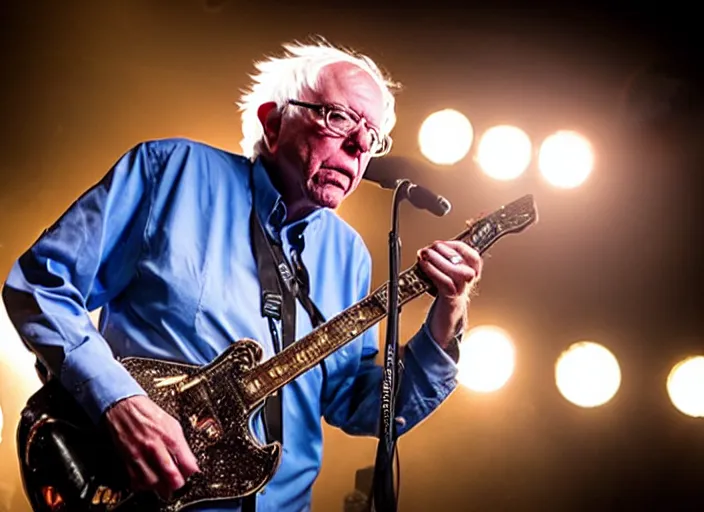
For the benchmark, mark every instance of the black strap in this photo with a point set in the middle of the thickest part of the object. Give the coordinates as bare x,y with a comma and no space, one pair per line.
300,273
280,285
277,303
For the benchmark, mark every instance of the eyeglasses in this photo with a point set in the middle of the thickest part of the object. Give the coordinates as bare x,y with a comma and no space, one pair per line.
343,122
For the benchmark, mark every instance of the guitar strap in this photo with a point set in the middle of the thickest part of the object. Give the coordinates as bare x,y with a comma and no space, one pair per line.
280,286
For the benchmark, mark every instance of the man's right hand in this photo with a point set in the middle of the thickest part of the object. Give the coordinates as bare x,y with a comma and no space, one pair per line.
152,445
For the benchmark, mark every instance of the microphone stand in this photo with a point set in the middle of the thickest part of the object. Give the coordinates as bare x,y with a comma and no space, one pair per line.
383,497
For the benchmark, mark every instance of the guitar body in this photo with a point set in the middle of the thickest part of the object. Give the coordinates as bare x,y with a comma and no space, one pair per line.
69,464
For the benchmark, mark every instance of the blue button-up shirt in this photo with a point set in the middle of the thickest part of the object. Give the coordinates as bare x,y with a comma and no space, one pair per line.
162,244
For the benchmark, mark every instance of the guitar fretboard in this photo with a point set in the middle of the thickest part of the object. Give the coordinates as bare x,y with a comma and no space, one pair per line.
329,337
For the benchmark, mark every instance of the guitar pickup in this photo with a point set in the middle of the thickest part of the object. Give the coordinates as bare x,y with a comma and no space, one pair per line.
208,426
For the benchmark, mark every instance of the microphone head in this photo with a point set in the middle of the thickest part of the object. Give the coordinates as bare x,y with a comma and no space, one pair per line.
387,170
444,206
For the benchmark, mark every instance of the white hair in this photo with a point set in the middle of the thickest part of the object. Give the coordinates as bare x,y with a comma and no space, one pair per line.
280,79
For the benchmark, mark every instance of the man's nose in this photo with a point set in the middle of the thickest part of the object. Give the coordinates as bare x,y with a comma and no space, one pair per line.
361,137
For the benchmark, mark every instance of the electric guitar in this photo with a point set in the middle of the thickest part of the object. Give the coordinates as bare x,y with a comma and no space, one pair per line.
69,464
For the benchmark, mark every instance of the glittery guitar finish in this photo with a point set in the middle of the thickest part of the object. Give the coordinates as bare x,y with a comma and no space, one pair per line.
68,463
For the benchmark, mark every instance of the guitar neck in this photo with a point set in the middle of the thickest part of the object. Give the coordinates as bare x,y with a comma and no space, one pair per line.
337,332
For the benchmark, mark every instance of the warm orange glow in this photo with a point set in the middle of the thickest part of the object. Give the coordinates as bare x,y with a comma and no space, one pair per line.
14,353
52,498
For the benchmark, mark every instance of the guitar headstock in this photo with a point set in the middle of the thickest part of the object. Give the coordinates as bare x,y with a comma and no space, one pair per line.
511,218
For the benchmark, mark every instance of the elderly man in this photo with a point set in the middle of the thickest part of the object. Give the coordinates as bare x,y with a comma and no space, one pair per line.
163,245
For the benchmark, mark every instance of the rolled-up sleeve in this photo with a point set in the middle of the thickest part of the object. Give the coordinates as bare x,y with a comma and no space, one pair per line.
80,263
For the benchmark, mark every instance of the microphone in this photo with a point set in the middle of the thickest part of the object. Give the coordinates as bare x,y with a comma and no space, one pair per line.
422,198
388,171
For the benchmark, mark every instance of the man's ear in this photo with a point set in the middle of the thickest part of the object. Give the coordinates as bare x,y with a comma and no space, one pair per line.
270,117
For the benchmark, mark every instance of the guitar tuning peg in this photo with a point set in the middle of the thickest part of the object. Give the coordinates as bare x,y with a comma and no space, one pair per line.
476,219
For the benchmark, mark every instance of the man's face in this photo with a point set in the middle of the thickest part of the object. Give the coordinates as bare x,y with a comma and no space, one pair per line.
316,166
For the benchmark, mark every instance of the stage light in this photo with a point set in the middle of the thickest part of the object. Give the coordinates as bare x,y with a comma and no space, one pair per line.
685,384
445,137
504,152
565,159
487,359
587,374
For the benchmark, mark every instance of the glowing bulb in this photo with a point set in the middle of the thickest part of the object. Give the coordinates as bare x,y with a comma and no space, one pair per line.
445,137
565,159
587,374
504,152
487,359
685,384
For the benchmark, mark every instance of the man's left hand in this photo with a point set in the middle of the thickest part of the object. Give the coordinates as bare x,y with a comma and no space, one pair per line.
453,267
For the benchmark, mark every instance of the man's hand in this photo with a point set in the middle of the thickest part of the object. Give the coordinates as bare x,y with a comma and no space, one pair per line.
152,445
453,267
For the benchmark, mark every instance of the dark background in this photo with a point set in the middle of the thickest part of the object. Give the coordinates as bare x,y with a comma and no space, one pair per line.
615,261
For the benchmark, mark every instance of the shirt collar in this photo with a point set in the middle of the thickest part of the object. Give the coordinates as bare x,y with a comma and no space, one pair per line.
269,204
